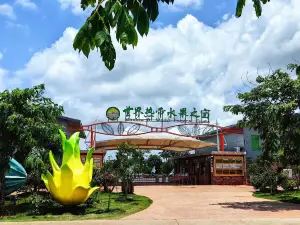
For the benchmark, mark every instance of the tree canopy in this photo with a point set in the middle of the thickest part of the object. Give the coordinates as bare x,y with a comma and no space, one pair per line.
155,161
272,108
28,120
127,18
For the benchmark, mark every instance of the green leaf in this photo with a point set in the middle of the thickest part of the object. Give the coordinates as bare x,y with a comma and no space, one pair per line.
143,23
133,37
151,6
108,54
101,37
152,10
126,25
80,37
113,12
298,70
87,3
86,48
92,43
140,17
239,7
257,7
123,40
112,6
293,67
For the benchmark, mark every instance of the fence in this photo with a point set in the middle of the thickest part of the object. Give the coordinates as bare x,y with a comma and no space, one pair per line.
163,180
158,180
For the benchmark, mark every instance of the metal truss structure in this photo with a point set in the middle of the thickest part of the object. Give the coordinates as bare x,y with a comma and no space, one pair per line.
131,128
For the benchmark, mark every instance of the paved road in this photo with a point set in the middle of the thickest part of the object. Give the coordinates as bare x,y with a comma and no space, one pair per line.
210,202
205,205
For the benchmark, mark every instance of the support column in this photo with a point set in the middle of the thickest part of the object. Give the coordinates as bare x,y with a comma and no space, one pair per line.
92,139
101,162
222,142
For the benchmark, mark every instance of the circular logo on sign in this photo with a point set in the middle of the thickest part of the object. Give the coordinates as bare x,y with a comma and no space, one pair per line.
112,113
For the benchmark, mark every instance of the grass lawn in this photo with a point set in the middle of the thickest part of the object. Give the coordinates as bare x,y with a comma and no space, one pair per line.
120,207
283,196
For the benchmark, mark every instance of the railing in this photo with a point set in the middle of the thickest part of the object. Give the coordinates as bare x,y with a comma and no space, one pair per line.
164,180
180,179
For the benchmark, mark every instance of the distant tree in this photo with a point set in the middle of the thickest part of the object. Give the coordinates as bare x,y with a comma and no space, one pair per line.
35,166
165,155
127,163
167,166
127,18
140,165
28,120
155,161
108,177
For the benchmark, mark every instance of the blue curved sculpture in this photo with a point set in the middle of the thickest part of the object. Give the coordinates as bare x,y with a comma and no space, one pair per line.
15,177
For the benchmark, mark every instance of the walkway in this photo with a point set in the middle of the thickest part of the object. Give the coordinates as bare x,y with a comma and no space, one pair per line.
203,205
210,202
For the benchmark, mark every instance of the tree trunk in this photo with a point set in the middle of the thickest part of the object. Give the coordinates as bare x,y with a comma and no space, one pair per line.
109,198
2,191
105,186
126,188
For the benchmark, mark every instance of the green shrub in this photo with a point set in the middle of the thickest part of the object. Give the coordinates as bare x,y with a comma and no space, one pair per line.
264,176
39,204
93,199
289,185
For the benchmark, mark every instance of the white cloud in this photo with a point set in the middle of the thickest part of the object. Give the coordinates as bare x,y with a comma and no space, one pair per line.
1,56
187,3
2,76
226,16
7,81
73,4
26,4
190,65
180,5
25,28
8,11
75,7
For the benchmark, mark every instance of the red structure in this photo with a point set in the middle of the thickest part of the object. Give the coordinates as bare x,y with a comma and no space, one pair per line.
217,168
118,128
108,130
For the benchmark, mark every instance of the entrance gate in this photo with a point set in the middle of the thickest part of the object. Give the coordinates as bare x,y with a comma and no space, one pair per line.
198,127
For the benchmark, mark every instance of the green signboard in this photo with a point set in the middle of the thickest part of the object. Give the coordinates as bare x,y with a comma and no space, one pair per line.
255,142
165,115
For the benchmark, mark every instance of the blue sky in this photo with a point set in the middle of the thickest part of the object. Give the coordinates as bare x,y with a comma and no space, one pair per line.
33,30
200,61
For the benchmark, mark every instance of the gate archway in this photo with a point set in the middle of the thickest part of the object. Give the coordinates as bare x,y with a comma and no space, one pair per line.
121,129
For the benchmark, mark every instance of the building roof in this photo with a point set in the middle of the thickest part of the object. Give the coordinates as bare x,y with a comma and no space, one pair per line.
214,132
160,141
69,119
73,122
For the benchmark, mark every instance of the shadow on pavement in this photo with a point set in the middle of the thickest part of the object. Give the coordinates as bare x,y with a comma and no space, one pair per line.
272,206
